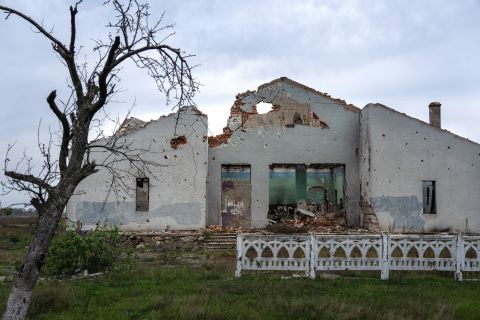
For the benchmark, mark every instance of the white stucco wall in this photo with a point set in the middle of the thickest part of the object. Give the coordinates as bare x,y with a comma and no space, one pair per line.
177,197
264,145
397,153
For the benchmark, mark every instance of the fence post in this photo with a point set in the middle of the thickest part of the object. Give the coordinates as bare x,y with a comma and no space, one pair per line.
384,263
459,257
313,260
238,271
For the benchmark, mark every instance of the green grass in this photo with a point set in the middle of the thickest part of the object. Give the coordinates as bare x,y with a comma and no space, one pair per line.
211,292
173,285
13,244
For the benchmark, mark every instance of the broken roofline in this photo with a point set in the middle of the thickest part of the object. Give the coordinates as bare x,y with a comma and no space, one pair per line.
132,124
289,81
236,109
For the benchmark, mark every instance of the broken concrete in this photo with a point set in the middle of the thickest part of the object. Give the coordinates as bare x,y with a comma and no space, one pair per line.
178,141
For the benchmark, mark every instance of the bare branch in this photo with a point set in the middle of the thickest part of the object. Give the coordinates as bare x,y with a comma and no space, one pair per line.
53,180
29,179
62,159
37,26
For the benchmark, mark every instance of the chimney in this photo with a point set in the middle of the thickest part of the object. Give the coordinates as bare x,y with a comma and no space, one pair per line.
435,117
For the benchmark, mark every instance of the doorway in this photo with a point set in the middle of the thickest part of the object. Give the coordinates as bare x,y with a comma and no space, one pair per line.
236,195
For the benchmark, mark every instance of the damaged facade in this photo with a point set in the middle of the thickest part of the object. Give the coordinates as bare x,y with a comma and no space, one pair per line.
168,194
310,155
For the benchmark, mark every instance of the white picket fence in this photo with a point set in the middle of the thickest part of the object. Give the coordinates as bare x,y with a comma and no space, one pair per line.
383,252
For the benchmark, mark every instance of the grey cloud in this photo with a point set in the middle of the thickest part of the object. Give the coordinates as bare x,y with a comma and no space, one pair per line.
400,53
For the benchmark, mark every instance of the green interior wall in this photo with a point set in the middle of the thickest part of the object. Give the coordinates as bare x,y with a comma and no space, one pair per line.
282,185
339,183
289,183
319,177
301,182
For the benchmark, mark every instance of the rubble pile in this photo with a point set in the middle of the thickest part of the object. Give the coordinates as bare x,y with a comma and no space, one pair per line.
320,224
326,223
224,229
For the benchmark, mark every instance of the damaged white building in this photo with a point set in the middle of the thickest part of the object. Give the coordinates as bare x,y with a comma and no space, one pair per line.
310,154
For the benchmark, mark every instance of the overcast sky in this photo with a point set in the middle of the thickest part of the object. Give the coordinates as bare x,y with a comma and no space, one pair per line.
404,54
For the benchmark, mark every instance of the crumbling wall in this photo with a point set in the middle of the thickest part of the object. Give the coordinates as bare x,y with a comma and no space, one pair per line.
304,127
398,153
176,170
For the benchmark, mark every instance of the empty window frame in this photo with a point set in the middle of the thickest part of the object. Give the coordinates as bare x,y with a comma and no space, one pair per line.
429,197
317,188
142,194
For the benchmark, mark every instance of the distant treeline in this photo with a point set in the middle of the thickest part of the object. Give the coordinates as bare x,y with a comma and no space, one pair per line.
18,212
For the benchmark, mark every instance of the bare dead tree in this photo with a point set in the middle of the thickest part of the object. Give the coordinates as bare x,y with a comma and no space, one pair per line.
132,37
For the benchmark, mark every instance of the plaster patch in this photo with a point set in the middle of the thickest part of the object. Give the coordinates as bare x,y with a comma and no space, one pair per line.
400,213
120,213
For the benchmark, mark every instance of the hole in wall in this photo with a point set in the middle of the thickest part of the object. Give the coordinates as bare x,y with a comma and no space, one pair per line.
264,107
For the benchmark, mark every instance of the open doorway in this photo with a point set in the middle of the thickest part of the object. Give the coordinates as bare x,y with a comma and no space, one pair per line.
236,195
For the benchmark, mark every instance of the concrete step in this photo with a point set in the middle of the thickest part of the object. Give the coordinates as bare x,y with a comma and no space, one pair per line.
216,243
222,234
219,245
221,240
218,249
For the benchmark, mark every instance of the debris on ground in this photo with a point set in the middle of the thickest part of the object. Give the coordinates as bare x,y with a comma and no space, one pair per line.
323,223
223,229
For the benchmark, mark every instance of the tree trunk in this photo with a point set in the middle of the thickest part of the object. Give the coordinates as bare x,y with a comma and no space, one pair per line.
20,296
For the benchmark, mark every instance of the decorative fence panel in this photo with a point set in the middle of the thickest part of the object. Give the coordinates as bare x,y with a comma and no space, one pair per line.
382,252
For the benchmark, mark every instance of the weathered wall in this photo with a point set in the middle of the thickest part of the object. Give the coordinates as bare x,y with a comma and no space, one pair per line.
177,184
264,140
397,153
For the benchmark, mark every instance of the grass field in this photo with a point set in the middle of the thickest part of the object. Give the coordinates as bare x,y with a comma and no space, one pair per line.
199,286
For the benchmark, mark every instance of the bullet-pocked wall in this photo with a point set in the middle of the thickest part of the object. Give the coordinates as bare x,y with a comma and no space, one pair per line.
303,127
169,193
416,177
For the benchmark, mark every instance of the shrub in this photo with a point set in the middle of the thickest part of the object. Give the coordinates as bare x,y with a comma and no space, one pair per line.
7,211
98,250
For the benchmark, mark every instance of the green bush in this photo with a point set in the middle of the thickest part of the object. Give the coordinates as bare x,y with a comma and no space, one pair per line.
99,250
6,211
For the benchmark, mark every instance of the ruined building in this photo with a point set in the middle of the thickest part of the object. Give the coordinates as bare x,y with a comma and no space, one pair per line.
309,155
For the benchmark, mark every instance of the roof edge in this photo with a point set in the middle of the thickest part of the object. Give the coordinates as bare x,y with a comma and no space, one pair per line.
379,105
348,106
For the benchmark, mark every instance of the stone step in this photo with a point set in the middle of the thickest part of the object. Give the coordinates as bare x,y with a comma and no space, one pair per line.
233,241
219,248
216,247
222,234
220,243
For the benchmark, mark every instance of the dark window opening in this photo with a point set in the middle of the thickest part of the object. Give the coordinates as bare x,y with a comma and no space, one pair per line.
142,194
429,197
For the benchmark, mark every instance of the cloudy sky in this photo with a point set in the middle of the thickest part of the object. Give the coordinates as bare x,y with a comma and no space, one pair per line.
403,54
